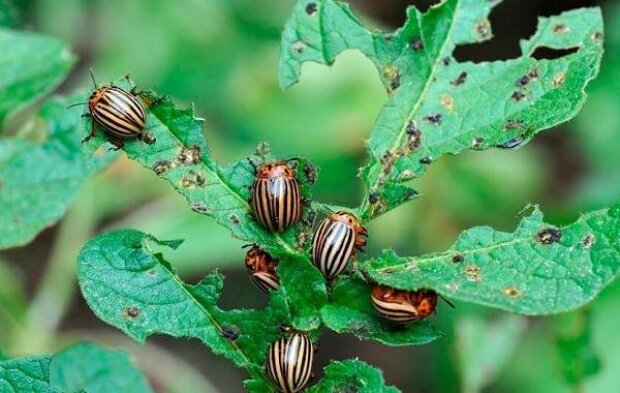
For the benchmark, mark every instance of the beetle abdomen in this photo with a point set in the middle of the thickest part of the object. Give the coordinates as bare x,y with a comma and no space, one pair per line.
332,247
289,362
276,202
121,114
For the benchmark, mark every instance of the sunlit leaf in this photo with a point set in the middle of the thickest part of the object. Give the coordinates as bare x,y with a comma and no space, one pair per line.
438,105
40,181
32,65
352,376
537,269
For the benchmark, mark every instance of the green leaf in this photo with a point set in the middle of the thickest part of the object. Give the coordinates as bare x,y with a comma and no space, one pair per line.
352,376
133,288
181,156
578,359
26,375
437,105
39,181
538,269
350,311
32,66
484,347
90,368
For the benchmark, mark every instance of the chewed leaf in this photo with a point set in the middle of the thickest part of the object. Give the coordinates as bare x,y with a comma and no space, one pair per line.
352,376
32,66
350,311
181,156
437,105
133,288
537,269
38,182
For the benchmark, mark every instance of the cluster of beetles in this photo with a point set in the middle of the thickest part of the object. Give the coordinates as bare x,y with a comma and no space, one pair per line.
276,205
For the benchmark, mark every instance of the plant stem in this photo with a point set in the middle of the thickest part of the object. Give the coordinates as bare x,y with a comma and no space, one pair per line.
58,284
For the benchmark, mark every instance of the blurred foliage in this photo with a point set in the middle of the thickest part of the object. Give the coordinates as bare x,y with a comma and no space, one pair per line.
222,56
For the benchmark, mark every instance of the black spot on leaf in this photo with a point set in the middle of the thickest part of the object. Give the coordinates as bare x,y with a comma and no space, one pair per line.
461,79
549,236
416,44
311,8
458,258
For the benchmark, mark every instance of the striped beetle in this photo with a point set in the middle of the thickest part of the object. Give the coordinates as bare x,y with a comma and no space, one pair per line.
120,114
289,362
276,196
403,307
262,269
337,238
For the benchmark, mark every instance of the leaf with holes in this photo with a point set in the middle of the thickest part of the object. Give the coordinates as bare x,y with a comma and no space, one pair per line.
90,368
181,156
132,287
40,181
352,376
537,269
350,311
436,104
32,65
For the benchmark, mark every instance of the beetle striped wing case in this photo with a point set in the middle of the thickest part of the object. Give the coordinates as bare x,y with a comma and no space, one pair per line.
119,113
403,307
289,362
336,240
276,197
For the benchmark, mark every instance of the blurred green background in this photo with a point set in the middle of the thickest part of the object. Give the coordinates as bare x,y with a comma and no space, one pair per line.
221,55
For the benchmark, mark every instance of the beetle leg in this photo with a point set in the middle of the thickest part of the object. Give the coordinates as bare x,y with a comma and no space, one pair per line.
118,144
93,132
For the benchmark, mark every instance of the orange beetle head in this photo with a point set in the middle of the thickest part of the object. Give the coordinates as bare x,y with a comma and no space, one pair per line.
275,169
257,260
424,300
352,221
95,97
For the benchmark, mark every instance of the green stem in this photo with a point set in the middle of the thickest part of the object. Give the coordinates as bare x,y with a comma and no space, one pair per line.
58,285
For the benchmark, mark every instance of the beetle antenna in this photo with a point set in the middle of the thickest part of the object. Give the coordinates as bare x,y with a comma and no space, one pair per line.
92,76
76,104
447,301
248,245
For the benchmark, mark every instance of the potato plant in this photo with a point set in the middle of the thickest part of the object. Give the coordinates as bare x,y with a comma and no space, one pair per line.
436,106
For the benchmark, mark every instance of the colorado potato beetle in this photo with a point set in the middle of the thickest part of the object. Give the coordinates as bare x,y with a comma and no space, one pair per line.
120,114
276,196
289,362
337,238
403,307
262,269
